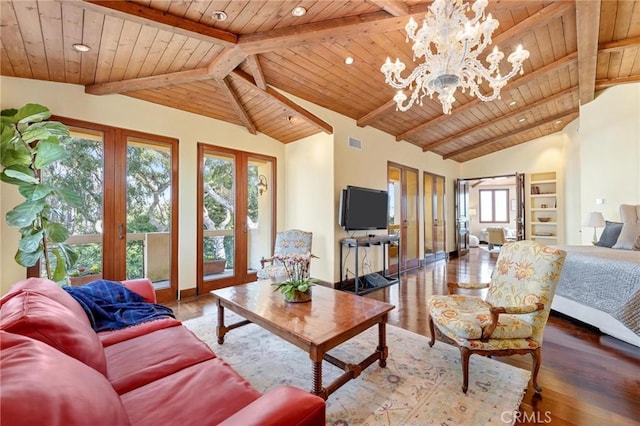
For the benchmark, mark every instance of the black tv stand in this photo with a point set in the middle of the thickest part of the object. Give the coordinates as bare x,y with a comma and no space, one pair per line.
365,284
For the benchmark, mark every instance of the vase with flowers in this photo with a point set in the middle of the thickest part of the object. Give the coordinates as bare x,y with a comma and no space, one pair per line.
297,287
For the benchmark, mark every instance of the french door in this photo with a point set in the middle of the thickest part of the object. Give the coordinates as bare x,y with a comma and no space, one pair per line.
434,217
236,224
403,189
127,225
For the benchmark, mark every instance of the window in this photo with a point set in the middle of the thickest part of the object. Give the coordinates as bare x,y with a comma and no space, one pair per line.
494,205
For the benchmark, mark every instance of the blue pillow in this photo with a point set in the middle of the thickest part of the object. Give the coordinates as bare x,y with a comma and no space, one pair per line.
610,234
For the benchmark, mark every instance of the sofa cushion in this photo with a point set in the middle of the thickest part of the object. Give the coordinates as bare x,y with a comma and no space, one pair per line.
52,291
42,386
137,362
39,317
111,337
210,387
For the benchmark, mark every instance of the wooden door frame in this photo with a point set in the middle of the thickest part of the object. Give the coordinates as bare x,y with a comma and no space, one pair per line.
408,263
241,158
435,254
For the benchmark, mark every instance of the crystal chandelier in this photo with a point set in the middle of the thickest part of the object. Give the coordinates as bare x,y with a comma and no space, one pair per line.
450,44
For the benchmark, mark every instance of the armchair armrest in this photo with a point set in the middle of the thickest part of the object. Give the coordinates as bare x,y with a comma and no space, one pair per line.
283,405
266,260
143,287
466,286
514,310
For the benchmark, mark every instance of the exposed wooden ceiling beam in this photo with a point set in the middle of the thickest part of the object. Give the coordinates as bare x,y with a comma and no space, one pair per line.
373,115
609,82
147,16
614,46
515,84
236,104
508,116
151,82
395,8
567,115
226,62
246,79
256,70
587,19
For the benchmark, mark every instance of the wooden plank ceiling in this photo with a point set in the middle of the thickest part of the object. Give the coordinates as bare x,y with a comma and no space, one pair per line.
240,70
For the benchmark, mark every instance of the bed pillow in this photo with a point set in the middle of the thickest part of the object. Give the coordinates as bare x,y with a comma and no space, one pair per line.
630,213
610,234
636,246
628,235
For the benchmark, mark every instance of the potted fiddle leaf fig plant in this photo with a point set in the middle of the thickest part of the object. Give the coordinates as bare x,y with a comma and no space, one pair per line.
29,143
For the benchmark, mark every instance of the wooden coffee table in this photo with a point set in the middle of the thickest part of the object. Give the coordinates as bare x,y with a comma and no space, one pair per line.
331,318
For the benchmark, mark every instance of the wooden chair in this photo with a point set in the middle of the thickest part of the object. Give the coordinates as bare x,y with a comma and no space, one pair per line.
512,318
292,241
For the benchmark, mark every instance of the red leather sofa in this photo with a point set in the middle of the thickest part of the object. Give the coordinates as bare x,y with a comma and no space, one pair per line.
55,370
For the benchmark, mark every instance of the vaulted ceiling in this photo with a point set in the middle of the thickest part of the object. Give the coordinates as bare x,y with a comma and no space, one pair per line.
175,53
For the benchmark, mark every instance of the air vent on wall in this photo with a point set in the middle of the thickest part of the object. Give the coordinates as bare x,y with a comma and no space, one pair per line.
355,143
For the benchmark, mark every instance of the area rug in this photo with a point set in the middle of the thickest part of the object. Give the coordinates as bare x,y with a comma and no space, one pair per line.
419,386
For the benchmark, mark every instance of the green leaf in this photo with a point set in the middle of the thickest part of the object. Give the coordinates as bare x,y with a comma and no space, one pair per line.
10,136
16,156
69,196
27,259
55,232
9,112
70,256
25,213
31,243
35,192
60,273
43,131
47,152
18,175
31,113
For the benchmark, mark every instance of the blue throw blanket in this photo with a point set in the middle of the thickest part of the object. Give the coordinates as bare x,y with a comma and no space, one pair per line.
111,306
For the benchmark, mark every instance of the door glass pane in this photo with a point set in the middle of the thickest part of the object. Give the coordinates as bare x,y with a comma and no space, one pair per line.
412,215
81,170
440,227
259,212
219,215
394,189
149,212
428,214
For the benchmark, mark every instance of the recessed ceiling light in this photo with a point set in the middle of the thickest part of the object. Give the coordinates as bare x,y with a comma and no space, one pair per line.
348,60
512,103
219,15
299,11
79,47
291,119
558,121
522,120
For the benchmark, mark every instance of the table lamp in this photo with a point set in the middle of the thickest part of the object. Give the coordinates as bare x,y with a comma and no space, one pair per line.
596,220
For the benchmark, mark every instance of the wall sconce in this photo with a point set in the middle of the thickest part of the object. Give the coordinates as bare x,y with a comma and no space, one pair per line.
262,184
472,212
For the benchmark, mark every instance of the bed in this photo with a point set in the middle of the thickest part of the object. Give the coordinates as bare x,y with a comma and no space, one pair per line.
601,286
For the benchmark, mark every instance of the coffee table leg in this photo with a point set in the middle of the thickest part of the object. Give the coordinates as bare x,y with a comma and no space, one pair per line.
220,329
382,343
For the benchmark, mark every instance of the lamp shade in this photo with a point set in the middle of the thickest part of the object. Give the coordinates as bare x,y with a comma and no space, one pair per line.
594,219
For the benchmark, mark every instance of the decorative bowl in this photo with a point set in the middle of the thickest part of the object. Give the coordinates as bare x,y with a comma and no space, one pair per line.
544,219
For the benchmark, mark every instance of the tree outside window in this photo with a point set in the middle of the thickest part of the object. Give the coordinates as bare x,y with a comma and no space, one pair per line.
494,205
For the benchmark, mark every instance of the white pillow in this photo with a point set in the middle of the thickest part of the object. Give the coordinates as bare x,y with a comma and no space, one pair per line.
628,236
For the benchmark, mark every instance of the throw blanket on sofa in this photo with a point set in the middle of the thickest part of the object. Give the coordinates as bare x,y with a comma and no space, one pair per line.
111,306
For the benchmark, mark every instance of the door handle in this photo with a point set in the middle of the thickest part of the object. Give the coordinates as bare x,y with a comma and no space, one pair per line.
121,231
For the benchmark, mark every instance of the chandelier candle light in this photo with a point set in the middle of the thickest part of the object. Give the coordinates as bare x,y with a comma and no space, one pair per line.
450,44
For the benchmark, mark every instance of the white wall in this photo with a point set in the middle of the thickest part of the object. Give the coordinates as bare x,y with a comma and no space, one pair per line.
122,111
309,197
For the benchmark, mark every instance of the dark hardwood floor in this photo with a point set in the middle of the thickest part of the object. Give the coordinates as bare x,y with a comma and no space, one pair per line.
587,378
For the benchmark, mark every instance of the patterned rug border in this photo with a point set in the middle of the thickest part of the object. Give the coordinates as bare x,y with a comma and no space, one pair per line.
415,388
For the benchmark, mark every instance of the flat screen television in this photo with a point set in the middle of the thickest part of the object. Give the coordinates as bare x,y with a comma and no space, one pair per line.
363,209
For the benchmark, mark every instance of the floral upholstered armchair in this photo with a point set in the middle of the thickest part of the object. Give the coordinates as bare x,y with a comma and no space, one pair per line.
512,318
292,241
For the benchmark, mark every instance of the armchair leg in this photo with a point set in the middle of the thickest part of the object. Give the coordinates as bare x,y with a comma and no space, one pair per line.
537,360
432,331
464,357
